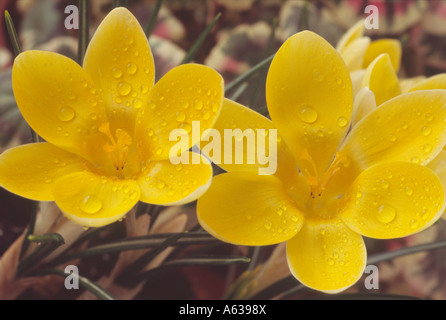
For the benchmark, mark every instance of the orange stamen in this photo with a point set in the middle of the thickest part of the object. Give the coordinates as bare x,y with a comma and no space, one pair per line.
117,148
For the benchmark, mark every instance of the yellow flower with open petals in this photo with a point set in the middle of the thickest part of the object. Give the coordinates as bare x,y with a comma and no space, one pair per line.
107,126
334,183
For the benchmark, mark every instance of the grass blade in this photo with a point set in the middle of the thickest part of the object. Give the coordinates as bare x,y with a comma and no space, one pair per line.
94,288
12,34
153,18
248,74
84,25
197,44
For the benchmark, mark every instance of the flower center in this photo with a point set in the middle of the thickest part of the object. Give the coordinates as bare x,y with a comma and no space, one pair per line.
319,184
117,146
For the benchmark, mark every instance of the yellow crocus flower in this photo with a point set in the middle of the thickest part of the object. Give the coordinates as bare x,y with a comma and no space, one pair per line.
106,126
334,182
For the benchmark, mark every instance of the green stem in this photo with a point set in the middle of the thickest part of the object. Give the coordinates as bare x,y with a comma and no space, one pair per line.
197,44
153,18
94,288
12,34
248,74
84,25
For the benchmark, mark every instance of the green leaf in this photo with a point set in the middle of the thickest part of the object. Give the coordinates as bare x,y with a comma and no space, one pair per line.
150,241
94,288
120,3
153,18
12,34
380,257
197,44
47,244
248,74
84,28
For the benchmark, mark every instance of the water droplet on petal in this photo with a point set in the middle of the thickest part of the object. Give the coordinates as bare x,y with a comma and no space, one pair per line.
385,184
307,114
72,96
116,73
386,214
268,225
124,88
427,148
137,104
181,116
66,114
90,204
198,104
426,131
144,89
131,68
342,122
409,191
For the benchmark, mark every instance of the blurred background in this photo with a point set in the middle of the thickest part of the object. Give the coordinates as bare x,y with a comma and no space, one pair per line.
247,32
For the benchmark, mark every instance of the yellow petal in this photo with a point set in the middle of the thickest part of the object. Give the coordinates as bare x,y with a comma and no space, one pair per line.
353,55
309,97
390,46
380,77
355,32
263,151
31,170
58,99
438,165
357,77
363,105
435,82
184,103
392,200
326,255
407,84
248,209
120,62
410,128
166,183
93,201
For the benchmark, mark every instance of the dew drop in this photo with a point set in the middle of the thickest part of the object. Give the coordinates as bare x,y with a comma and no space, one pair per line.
144,89
426,131
330,262
131,68
66,114
342,122
116,73
386,214
409,191
90,204
137,104
48,180
124,88
160,185
318,76
385,184
198,104
185,105
307,114
414,224
72,96
427,148
181,116
159,151
268,225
